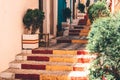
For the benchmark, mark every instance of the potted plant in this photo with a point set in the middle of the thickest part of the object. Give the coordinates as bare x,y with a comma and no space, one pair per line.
81,7
87,4
67,13
32,20
67,16
98,9
81,14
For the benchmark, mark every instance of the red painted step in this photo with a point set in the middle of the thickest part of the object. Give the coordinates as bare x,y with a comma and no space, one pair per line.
30,66
27,76
42,51
36,51
74,30
38,58
79,78
82,52
64,41
74,33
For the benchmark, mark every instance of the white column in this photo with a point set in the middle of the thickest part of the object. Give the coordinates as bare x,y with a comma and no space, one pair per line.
55,16
46,9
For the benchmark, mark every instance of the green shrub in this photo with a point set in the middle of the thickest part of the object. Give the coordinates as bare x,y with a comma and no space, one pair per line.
104,39
98,9
33,18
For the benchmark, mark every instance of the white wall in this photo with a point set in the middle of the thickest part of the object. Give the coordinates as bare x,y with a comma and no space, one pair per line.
11,28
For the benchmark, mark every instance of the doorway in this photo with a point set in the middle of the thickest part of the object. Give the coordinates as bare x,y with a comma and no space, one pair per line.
51,17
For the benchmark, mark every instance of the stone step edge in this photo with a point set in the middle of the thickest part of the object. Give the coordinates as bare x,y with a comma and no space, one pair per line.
49,50
10,73
48,66
84,41
60,52
78,59
50,63
26,55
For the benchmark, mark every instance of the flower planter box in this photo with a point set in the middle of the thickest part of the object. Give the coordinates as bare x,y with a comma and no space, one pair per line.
30,41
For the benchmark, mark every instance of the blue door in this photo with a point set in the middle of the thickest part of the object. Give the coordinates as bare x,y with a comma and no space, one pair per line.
61,6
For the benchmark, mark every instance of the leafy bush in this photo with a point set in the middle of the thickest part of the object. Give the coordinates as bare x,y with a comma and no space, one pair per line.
98,9
34,19
104,39
87,3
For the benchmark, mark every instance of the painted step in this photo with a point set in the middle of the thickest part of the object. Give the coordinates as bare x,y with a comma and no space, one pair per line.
82,22
73,41
49,66
55,58
74,33
83,32
43,75
64,41
60,52
78,27
80,30
74,30
80,41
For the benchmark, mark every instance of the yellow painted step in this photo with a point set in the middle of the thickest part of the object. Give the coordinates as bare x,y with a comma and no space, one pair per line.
60,59
83,34
85,31
58,68
80,41
62,52
53,77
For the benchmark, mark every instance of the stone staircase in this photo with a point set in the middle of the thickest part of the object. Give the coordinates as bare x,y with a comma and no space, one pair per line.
78,34
65,59
47,64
